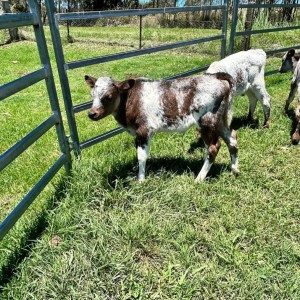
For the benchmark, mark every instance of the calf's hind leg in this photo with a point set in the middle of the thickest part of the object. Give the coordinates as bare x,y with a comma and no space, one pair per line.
262,95
230,139
212,145
252,105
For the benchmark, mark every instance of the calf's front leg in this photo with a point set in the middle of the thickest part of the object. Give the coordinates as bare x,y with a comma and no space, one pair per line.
229,136
291,94
296,134
212,151
142,146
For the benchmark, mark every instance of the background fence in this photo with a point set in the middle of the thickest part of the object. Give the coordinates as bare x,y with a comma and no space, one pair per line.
246,15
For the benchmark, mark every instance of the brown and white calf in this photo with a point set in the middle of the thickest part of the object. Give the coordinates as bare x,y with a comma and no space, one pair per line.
247,69
144,107
291,62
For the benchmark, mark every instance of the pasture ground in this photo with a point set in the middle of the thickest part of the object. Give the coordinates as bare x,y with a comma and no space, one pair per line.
103,235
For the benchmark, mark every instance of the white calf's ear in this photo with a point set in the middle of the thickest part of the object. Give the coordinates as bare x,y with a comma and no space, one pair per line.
91,81
126,85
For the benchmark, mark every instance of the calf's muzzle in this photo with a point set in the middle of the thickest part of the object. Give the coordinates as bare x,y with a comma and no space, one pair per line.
93,114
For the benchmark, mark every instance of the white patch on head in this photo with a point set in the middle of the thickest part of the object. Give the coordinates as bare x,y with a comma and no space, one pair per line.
101,86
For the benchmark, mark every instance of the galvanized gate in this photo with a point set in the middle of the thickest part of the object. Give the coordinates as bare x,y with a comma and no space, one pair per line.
64,67
8,89
238,5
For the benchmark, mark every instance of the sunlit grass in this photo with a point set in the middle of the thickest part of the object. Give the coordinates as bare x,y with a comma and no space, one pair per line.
109,237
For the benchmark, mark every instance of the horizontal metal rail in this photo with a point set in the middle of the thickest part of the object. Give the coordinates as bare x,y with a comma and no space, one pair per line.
271,52
12,153
187,73
259,31
271,72
101,137
249,5
134,12
19,210
86,105
82,106
11,20
21,83
122,55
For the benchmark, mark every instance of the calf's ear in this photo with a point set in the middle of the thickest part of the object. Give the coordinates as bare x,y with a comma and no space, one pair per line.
91,81
126,85
291,53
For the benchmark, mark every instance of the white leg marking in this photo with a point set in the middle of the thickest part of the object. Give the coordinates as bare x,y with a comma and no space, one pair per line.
205,169
234,158
142,153
234,164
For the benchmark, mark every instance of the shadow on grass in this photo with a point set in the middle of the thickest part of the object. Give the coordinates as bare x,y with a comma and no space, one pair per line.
243,122
178,165
30,237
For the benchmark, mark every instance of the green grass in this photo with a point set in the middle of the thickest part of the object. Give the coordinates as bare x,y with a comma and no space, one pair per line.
105,236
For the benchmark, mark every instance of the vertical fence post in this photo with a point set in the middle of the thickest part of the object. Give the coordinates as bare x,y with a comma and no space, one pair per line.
62,72
224,29
234,21
45,60
141,24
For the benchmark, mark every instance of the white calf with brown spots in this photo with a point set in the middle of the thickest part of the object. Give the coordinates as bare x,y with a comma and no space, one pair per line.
144,107
247,69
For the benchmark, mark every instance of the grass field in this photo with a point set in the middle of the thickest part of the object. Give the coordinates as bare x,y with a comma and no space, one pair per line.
103,235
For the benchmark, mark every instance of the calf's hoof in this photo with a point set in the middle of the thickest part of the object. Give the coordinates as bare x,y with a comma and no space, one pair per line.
266,124
141,179
295,138
235,172
199,178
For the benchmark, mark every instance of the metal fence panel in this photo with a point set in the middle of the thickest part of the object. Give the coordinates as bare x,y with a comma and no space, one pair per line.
33,18
134,53
64,66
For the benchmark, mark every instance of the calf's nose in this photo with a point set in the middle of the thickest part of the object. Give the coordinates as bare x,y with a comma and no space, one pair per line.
92,115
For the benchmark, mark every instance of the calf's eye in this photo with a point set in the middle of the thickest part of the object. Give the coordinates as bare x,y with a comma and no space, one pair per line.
105,100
